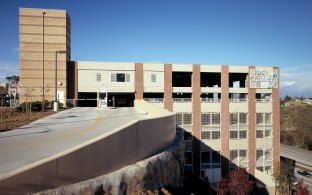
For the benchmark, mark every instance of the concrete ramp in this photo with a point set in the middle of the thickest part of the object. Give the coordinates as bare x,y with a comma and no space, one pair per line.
79,144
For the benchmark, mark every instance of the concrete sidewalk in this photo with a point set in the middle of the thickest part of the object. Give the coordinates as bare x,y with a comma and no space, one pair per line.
50,136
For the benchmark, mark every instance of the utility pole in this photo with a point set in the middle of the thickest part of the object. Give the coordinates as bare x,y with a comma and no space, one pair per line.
43,98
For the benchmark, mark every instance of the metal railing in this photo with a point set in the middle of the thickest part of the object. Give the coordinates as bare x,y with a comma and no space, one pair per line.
154,100
238,100
182,100
210,100
263,100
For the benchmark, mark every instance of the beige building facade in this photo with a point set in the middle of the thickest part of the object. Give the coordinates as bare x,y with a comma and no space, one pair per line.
43,33
230,114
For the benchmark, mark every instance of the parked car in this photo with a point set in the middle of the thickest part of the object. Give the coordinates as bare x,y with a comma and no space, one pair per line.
304,173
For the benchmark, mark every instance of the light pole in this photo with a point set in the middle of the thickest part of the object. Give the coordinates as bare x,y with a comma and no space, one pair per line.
43,13
56,103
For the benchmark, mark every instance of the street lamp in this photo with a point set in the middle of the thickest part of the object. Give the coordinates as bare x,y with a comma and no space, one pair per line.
56,103
43,13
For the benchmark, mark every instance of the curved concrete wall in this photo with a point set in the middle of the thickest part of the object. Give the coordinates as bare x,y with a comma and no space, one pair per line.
126,145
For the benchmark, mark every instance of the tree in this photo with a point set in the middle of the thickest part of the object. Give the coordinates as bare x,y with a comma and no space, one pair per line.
302,189
237,183
284,176
12,79
287,98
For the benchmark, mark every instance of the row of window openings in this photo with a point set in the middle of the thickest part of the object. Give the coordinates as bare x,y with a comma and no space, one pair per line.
212,159
183,79
212,97
238,134
239,119
205,97
115,77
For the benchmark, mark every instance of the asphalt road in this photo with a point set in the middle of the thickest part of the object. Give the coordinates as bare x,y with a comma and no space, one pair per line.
306,180
34,143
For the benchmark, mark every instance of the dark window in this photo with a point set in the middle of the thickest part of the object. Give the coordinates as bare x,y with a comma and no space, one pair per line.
120,77
205,157
215,157
188,158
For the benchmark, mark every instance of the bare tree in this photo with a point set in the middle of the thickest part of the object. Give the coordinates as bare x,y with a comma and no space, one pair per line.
302,189
237,183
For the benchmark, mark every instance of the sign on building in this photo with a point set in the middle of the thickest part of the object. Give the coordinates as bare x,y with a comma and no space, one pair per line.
264,78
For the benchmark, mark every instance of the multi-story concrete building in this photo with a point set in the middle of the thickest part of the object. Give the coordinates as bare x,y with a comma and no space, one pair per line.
230,114
42,33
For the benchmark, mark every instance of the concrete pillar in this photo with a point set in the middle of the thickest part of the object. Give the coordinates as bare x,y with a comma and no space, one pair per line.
276,123
196,118
168,87
139,81
251,127
225,120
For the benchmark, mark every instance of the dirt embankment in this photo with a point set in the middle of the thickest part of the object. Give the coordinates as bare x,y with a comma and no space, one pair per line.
12,118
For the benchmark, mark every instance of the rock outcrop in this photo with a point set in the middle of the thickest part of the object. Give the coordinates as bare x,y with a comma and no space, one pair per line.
163,170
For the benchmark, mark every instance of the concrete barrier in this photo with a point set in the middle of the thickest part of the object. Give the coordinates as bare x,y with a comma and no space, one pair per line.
102,155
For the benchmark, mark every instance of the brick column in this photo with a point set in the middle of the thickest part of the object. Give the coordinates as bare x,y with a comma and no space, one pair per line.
139,81
168,87
276,123
225,153
196,118
251,127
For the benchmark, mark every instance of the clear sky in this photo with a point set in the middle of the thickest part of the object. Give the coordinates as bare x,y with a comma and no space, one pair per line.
232,32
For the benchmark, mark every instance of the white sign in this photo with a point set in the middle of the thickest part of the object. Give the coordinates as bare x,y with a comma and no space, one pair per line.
263,78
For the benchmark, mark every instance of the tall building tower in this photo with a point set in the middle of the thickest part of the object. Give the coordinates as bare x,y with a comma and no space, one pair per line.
44,42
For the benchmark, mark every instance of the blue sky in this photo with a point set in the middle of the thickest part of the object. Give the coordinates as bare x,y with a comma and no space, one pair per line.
233,32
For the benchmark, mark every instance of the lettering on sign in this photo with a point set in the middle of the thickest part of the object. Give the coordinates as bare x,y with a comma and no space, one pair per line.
263,78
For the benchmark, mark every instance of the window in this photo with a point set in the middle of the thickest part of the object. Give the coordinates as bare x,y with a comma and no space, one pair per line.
205,157
120,77
98,77
188,158
259,118
238,158
210,128
184,119
264,125
113,77
153,78
127,77
187,119
233,118
264,160
179,119
238,125
210,159
205,119
215,119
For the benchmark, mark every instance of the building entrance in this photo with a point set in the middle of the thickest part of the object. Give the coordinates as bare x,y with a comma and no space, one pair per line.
90,99
121,99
